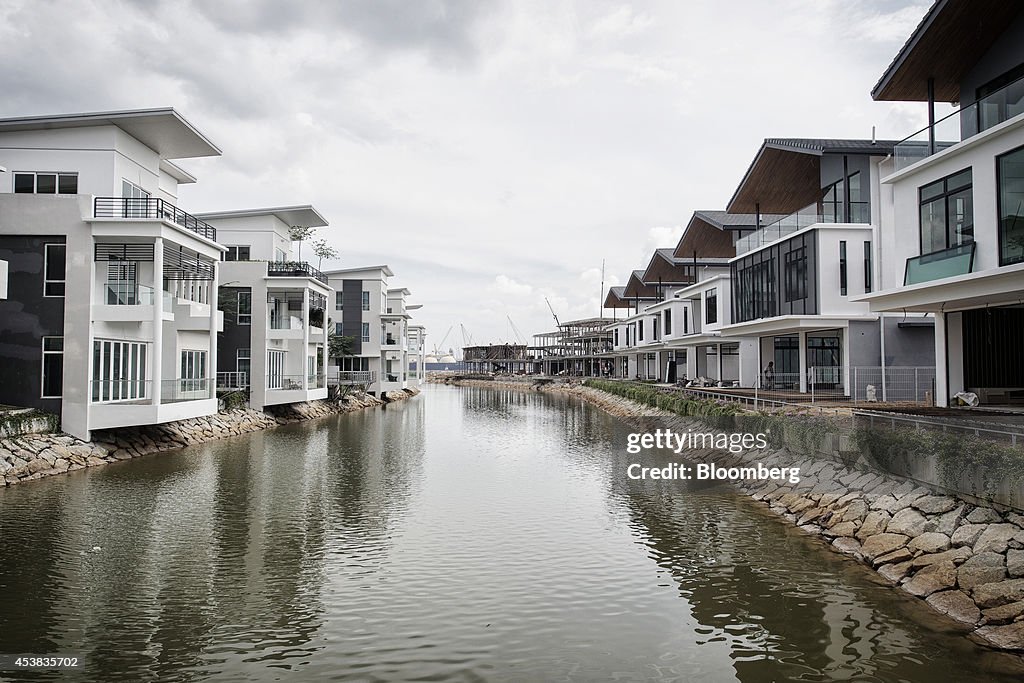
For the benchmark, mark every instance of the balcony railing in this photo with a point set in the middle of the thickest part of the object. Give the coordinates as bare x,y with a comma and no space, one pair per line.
805,217
140,391
127,294
958,260
232,380
353,377
292,382
294,269
151,207
964,123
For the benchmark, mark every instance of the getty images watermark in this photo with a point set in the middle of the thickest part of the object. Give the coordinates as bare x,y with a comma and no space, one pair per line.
677,442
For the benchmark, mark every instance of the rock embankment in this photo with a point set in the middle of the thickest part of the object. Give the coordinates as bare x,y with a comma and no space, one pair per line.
34,456
965,560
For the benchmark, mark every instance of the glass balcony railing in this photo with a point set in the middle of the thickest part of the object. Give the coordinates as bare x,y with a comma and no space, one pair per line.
958,260
860,212
127,294
964,123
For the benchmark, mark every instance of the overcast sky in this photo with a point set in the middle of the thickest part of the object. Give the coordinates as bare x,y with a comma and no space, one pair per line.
493,153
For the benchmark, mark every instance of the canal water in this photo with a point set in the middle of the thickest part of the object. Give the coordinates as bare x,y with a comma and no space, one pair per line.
464,535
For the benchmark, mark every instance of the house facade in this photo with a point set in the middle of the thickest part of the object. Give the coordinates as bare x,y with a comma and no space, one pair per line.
953,239
275,330
110,318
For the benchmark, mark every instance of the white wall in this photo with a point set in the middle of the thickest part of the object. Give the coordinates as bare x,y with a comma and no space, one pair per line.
262,234
830,299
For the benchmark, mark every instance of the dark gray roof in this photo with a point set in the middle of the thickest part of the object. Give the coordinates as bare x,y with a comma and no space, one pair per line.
826,146
723,220
668,255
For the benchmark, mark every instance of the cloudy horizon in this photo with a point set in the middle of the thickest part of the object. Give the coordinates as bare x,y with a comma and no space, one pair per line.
494,153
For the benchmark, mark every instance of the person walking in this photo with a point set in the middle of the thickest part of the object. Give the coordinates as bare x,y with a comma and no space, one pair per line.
769,375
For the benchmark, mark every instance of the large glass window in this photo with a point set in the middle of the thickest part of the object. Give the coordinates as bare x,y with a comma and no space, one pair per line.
668,321
366,301
796,274
118,370
245,308
46,183
947,213
237,253
711,306
338,301
365,332
53,367
1011,207
193,370
55,257
243,364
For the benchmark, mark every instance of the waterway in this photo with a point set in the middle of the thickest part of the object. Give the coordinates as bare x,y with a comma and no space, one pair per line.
463,535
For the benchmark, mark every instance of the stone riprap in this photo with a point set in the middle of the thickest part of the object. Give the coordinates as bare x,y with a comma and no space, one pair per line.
34,456
965,560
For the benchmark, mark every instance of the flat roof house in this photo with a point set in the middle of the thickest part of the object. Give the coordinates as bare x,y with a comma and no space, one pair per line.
110,317
275,332
953,241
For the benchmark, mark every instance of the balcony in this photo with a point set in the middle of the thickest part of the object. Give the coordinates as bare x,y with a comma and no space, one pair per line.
860,212
964,123
958,260
353,377
151,208
128,402
294,269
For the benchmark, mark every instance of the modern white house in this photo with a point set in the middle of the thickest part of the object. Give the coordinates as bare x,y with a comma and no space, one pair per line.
796,283
416,372
110,318
275,330
376,318
953,239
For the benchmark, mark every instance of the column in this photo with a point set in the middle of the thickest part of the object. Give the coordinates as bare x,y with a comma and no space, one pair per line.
941,380
212,365
305,338
802,351
157,361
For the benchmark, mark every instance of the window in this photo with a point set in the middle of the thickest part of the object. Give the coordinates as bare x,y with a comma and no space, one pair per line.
245,308
868,275
711,306
121,289
136,200
243,364
795,274
280,255
275,369
686,321
947,213
53,367
1010,168
668,321
833,203
842,267
54,257
366,301
237,253
338,303
118,370
640,330
338,329
193,370
756,289
365,332
616,335
46,183
655,328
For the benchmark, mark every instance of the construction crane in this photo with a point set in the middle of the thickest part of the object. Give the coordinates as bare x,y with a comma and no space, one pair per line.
519,335
467,338
439,348
553,314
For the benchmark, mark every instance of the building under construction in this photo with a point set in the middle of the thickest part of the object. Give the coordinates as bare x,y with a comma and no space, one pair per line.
579,348
514,359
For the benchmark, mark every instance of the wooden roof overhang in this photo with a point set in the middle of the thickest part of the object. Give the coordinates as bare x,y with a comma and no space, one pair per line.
948,42
780,180
705,239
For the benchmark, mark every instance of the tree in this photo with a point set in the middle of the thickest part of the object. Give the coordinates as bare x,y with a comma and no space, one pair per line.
300,233
338,345
322,250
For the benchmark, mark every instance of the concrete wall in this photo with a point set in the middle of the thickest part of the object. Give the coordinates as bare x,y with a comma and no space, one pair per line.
908,346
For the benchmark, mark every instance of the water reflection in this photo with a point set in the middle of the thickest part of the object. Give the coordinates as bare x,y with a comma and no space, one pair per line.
462,535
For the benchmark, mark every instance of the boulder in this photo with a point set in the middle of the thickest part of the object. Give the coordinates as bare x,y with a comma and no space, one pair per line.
957,605
894,572
998,593
1015,563
880,544
995,538
948,522
847,546
983,516
934,505
1009,637
929,542
934,577
986,567
910,522
855,511
875,523
896,556
967,534
1005,613
956,556
842,529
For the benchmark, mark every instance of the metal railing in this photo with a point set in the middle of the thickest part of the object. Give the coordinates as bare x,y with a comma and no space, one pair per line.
151,207
294,269
352,377
973,425
286,382
964,123
805,217
140,391
232,380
